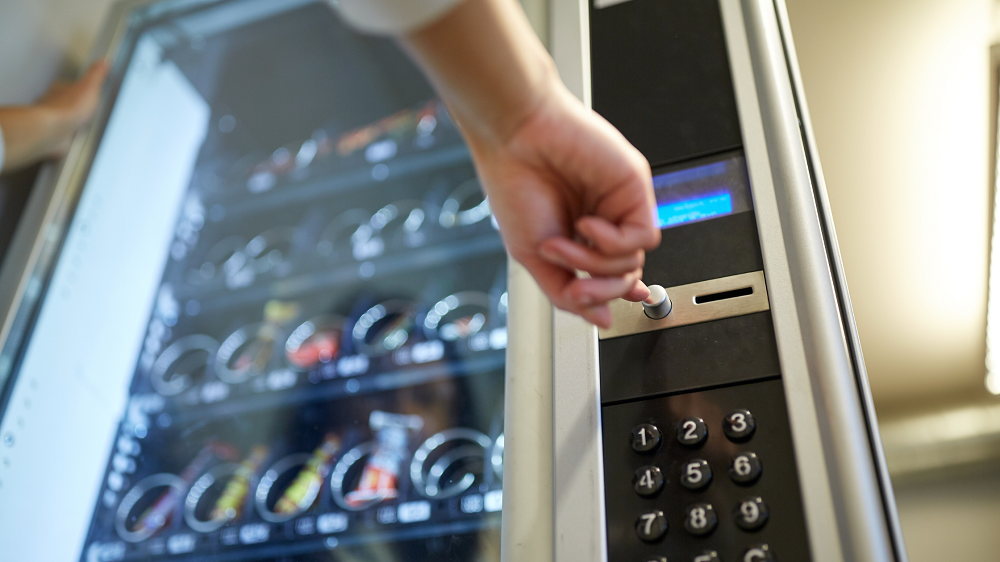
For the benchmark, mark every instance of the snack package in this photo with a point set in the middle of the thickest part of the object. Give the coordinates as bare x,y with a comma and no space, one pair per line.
230,503
381,473
158,514
303,491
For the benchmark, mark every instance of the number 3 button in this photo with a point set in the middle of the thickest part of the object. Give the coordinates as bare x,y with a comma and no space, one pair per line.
692,432
739,425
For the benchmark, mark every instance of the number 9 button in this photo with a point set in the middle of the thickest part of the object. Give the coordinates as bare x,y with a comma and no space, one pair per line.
751,513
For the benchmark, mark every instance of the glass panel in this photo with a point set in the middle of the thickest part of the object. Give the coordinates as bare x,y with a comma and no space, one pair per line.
276,328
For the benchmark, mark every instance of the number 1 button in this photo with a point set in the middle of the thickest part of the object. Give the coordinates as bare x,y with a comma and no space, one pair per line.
651,526
692,432
645,437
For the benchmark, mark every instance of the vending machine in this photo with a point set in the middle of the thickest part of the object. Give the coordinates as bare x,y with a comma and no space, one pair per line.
262,312
729,418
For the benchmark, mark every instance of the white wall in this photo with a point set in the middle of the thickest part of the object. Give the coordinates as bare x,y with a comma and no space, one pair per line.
898,91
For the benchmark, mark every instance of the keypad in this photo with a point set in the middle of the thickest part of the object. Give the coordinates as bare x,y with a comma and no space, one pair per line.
692,432
759,553
651,526
645,438
700,469
696,474
745,468
739,425
707,556
751,513
700,519
648,481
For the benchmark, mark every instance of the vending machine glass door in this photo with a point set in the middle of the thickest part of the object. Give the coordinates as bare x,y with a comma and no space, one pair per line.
274,321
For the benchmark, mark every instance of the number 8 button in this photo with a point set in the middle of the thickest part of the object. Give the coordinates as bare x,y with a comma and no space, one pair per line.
739,425
700,519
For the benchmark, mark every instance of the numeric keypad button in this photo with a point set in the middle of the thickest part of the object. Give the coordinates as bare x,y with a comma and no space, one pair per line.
707,556
644,438
696,474
692,432
700,519
751,513
651,527
739,425
759,553
648,481
745,468
658,559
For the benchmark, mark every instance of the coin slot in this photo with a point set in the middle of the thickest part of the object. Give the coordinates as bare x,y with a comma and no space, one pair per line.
705,299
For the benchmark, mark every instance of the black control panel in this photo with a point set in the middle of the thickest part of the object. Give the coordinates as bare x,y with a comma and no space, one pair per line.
703,472
698,456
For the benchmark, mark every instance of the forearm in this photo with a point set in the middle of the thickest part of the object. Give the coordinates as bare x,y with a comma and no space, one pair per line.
487,64
28,135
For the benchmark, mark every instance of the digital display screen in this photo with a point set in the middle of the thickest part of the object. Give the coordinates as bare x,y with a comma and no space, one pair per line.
276,327
702,191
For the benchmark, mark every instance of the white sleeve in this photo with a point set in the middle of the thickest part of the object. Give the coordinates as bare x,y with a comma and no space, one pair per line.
391,17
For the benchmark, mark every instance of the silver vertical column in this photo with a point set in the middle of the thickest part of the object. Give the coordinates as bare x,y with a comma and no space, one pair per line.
848,505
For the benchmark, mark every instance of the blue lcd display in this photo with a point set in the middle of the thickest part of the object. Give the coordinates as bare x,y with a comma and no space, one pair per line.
706,190
713,205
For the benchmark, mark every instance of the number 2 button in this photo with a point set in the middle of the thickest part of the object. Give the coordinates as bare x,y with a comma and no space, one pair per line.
692,432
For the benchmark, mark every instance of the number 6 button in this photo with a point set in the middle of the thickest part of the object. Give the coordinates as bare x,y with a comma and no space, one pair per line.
651,526
739,425
692,432
696,474
745,468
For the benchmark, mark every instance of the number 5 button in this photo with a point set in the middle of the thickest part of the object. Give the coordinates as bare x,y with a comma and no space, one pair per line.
696,474
692,432
651,526
739,425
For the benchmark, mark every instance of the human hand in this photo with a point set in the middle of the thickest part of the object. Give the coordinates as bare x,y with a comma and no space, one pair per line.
46,128
570,193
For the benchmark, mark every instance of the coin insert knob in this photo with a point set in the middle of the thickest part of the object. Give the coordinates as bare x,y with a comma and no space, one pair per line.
657,305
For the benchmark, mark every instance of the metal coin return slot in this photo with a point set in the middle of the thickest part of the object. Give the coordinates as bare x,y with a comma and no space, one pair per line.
703,299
